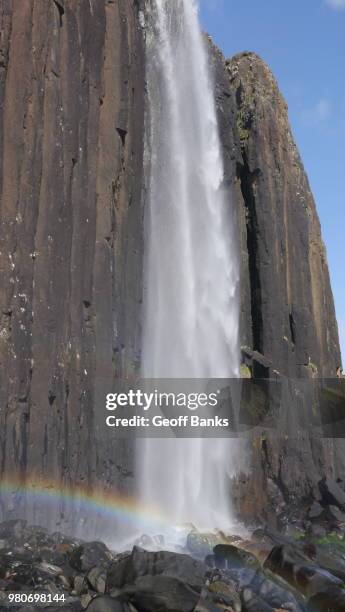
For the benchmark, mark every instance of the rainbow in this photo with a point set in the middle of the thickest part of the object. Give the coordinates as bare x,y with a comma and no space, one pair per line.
100,500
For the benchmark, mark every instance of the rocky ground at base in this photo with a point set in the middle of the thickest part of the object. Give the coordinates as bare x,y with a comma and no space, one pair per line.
300,570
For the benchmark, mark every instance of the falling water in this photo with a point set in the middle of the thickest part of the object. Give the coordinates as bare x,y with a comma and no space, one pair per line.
191,308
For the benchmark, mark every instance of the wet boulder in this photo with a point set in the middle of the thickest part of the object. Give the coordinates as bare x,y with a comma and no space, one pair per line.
3,568
225,593
86,599
331,493
49,569
97,579
315,511
24,573
69,607
240,577
202,544
299,571
335,516
86,556
251,602
120,571
276,593
80,585
316,531
228,556
128,568
283,559
53,556
208,606
107,604
331,557
72,604
331,599
160,593
272,589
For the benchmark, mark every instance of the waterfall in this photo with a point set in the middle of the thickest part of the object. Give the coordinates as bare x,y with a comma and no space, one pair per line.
191,304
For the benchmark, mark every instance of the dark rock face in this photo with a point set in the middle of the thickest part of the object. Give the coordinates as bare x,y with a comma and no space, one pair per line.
288,321
141,563
72,115
72,103
106,604
323,589
288,315
291,308
331,492
88,556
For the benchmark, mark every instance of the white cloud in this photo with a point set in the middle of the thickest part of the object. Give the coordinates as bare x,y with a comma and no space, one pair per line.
336,4
322,109
319,113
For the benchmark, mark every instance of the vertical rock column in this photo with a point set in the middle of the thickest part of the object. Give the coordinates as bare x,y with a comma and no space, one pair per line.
293,321
288,323
72,117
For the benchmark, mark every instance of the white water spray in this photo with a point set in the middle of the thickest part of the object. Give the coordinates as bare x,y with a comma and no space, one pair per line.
191,304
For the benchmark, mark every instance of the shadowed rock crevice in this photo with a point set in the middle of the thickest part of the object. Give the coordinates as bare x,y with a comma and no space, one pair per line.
247,181
292,328
122,133
60,7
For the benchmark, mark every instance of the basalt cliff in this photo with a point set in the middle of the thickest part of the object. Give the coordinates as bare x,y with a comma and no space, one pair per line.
72,116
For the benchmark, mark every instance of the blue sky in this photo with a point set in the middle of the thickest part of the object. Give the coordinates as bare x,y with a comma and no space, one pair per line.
303,41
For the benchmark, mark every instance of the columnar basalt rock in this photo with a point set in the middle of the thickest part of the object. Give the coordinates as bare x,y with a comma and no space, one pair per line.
292,309
288,311
72,116
288,323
